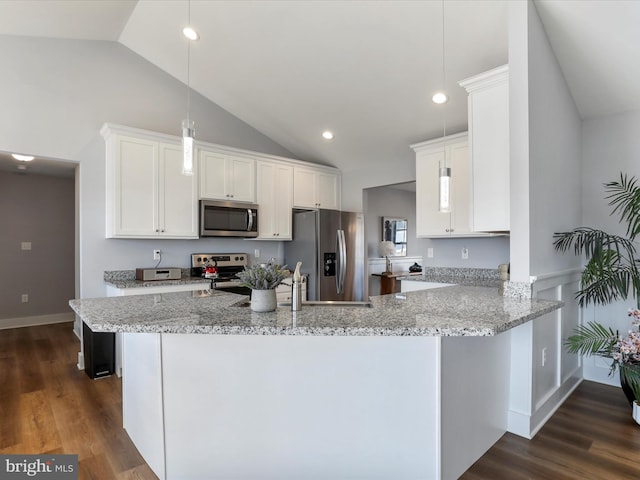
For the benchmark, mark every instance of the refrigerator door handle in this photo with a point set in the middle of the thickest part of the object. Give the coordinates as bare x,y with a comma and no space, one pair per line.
342,261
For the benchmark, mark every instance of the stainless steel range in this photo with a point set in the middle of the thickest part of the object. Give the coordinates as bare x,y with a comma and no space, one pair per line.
226,266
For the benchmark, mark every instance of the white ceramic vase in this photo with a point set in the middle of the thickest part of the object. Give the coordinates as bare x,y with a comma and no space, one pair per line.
636,412
263,300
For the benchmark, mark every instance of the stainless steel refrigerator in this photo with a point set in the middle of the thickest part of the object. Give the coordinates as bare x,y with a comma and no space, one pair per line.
330,245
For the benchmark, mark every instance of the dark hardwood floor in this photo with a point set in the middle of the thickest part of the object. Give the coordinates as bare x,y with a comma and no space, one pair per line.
48,405
591,436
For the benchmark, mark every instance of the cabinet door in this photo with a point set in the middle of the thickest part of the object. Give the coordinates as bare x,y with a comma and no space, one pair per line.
430,221
327,190
275,195
489,129
135,183
458,159
212,172
241,180
267,228
177,195
304,184
284,201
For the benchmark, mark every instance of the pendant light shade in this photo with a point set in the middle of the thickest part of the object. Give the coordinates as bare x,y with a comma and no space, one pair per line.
444,204
188,132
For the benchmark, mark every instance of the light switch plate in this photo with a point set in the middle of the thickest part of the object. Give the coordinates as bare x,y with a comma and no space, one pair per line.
25,245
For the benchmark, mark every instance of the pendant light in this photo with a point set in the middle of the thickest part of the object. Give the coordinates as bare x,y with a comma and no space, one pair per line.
188,125
444,172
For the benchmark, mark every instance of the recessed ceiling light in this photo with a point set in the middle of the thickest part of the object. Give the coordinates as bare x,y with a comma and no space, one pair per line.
190,33
22,158
439,98
327,135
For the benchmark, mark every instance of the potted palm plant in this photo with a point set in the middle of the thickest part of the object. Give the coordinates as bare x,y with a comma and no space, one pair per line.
262,279
611,273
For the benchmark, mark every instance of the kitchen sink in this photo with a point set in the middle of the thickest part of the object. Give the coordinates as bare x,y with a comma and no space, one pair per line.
330,303
316,303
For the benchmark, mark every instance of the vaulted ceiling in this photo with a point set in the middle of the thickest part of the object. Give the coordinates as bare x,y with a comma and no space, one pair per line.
364,69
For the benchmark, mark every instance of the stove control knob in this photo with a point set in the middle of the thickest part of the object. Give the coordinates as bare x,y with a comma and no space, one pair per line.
199,259
241,258
204,259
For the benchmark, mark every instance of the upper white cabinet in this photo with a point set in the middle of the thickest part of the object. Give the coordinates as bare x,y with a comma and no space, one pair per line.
275,200
430,222
489,147
146,194
148,197
316,188
226,177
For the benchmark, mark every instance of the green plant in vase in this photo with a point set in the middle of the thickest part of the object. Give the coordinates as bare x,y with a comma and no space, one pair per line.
611,273
262,279
263,276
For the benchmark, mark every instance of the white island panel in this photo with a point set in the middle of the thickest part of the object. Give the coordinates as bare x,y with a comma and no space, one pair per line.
142,396
245,407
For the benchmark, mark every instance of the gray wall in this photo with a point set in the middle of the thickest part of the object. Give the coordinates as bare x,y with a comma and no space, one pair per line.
63,91
37,209
545,149
389,201
554,154
610,145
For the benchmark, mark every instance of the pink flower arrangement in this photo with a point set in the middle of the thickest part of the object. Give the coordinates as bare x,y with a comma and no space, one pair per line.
627,349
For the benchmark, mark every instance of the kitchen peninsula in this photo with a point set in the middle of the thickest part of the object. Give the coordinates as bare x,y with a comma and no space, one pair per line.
415,386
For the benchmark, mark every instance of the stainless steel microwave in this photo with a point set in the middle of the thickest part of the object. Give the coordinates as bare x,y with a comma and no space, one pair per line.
228,219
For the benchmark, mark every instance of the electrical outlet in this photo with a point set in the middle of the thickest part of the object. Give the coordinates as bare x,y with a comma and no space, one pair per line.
25,298
430,252
465,254
544,356
256,253
156,254
25,245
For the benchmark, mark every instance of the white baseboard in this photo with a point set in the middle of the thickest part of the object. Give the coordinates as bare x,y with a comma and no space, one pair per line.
36,320
527,425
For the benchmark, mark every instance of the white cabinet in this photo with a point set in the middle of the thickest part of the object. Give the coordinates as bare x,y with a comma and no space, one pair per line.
488,104
146,194
284,291
316,189
226,177
430,222
124,292
275,199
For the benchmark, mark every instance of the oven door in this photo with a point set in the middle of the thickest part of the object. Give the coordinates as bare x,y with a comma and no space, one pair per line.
228,219
232,286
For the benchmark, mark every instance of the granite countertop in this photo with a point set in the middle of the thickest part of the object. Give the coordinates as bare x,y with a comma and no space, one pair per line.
127,279
475,277
447,311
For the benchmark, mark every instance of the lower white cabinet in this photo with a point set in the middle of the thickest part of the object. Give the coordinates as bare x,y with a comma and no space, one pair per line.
275,200
284,291
123,292
146,194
